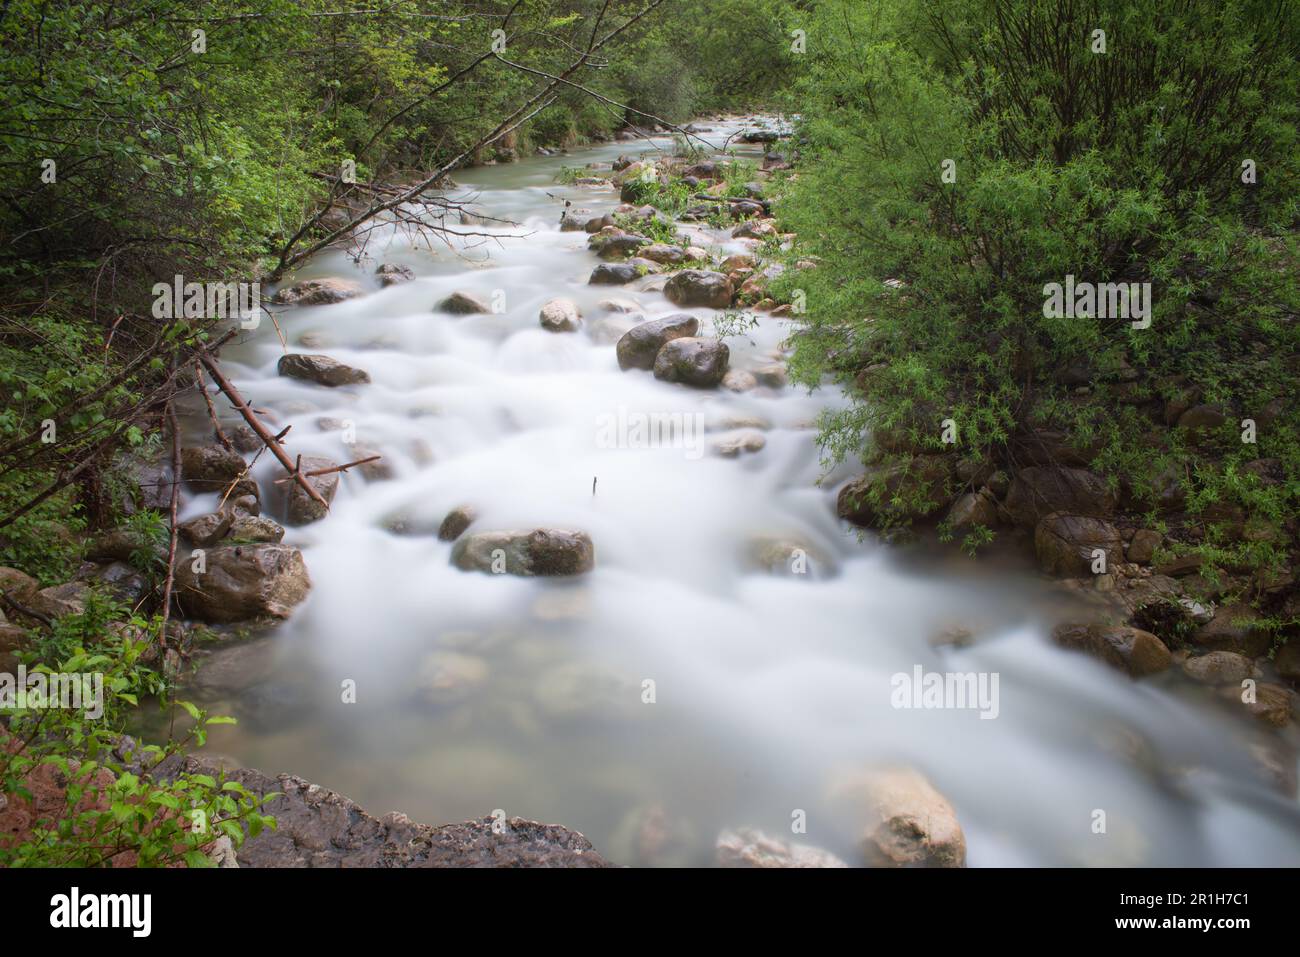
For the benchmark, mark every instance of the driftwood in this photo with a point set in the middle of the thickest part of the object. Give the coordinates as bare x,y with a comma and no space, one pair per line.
254,423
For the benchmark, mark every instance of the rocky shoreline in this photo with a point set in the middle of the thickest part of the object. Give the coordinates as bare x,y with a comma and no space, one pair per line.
318,827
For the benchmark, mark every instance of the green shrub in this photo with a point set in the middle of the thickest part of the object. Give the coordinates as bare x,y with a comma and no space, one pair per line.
113,802
1104,166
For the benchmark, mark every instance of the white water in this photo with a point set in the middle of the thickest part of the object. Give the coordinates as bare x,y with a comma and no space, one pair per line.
766,686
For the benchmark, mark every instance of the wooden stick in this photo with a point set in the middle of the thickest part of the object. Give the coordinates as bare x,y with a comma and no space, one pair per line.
212,412
256,425
331,469
175,501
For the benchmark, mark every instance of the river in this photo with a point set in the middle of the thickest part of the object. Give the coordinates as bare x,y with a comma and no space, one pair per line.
477,692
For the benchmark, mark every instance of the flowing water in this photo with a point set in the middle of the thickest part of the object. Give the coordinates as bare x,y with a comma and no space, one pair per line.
476,692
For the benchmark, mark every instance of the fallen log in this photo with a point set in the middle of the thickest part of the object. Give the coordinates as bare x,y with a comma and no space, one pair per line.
254,423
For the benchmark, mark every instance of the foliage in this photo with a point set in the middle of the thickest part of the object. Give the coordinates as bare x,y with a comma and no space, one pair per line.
1123,166
112,802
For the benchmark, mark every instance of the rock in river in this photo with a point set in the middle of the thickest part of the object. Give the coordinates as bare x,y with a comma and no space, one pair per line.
318,292
691,361
616,246
699,287
541,551
1132,650
454,525
907,823
618,274
320,369
204,531
241,582
462,304
213,468
639,346
560,315
301,508
392,273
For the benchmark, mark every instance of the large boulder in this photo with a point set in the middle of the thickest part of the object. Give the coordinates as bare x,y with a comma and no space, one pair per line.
318,292
639,346
906,821
699,287
1065,544
214,468
560,315
300,508
691,361
1042,489
1131,650
320,369
541,551
242,582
